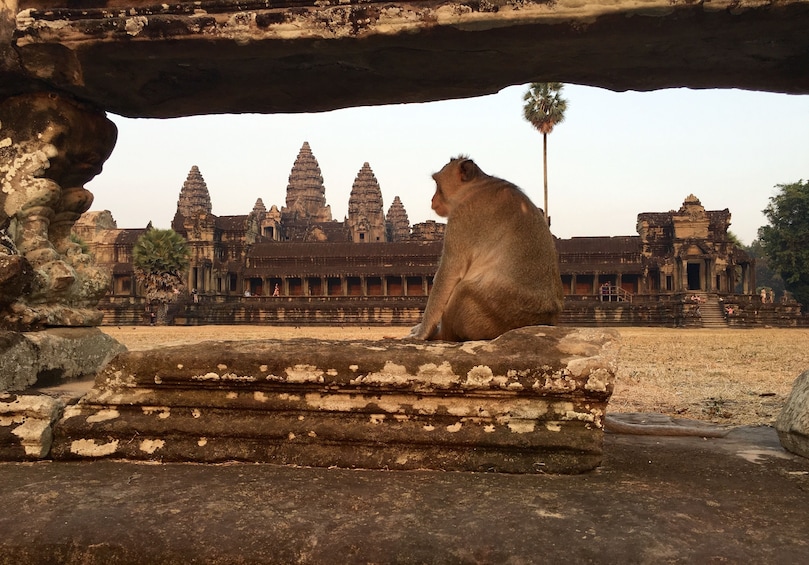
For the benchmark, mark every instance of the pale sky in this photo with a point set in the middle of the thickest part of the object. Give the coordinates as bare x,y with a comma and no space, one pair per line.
614,156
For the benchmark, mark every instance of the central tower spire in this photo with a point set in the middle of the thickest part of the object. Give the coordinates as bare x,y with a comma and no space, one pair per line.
306,195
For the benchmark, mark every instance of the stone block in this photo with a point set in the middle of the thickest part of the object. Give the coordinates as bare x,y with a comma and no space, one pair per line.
793,421
532,400
70,353
53,356
18,361
26,422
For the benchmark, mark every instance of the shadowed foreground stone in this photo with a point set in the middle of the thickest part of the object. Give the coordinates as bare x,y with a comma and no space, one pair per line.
147,59
531,400
26,422
738,499
793,421
46,358
53,356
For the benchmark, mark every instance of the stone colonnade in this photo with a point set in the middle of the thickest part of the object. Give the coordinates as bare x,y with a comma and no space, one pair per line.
340,285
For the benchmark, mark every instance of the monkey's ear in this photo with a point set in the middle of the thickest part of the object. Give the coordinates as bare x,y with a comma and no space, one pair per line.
468,170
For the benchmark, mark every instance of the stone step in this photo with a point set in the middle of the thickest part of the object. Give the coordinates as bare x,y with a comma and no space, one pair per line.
532,400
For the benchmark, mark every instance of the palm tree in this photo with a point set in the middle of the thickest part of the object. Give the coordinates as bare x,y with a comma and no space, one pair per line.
160,257
544,108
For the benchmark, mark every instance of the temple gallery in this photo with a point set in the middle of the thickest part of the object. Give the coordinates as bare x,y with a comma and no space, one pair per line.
298,265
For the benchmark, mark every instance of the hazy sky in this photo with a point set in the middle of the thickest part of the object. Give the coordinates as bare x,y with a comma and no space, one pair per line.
614,156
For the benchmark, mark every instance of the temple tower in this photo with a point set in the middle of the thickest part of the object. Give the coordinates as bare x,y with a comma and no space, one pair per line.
366,219
263,224
194,200
195,221
398,224
306,195
259,207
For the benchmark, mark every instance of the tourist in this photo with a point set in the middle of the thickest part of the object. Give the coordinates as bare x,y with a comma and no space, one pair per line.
247,292
276,291
195,295
605,291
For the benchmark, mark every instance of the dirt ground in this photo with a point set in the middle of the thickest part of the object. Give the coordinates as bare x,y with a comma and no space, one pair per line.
732,377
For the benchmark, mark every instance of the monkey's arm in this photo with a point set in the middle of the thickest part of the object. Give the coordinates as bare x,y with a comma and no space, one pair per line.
450,272
436,305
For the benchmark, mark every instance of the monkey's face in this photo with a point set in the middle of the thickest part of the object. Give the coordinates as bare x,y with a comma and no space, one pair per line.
445,181
450,184
439,203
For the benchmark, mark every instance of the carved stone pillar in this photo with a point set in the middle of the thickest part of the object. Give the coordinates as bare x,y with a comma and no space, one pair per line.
50,146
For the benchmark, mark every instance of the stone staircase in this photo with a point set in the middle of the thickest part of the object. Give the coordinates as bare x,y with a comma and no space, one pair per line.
711,312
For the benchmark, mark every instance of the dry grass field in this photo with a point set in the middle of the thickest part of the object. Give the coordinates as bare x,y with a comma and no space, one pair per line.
732,377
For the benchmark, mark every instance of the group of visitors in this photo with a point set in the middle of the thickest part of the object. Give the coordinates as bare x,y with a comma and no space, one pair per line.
276,291
767,296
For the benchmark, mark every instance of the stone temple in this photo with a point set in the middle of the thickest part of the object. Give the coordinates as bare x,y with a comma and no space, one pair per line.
375,268
63,65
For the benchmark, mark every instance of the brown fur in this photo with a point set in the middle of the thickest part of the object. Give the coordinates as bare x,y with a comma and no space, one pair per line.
498,270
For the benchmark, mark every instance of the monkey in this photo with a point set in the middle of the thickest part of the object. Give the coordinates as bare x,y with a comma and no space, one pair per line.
498,269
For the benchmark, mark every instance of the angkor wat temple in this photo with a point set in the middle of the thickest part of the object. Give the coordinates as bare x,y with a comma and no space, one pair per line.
298,265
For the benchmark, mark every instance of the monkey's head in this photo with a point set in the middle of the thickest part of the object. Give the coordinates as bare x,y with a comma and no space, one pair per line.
450,181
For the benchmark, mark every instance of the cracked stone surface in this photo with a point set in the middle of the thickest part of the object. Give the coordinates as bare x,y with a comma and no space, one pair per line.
736,499
145,59
531,400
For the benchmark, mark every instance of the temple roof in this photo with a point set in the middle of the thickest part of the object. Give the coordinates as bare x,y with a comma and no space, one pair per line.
383,251
231,223
335,259
600,244
129,237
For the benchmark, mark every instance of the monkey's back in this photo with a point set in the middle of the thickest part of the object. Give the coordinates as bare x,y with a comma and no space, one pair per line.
512,263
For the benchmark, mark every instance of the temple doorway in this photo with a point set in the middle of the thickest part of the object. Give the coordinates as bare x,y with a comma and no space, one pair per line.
253,287
694,278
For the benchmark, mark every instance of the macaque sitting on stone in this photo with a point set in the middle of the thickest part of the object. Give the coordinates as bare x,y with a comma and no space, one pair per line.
498,269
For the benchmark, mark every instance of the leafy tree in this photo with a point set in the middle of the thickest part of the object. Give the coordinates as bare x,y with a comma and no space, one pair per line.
160,258
765,276
734,239
544,108
786,239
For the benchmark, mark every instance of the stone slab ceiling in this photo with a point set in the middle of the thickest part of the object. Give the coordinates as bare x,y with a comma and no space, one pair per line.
161,60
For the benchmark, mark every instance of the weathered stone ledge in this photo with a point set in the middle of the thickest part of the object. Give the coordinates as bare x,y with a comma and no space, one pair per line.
53,356
532,400
26,425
